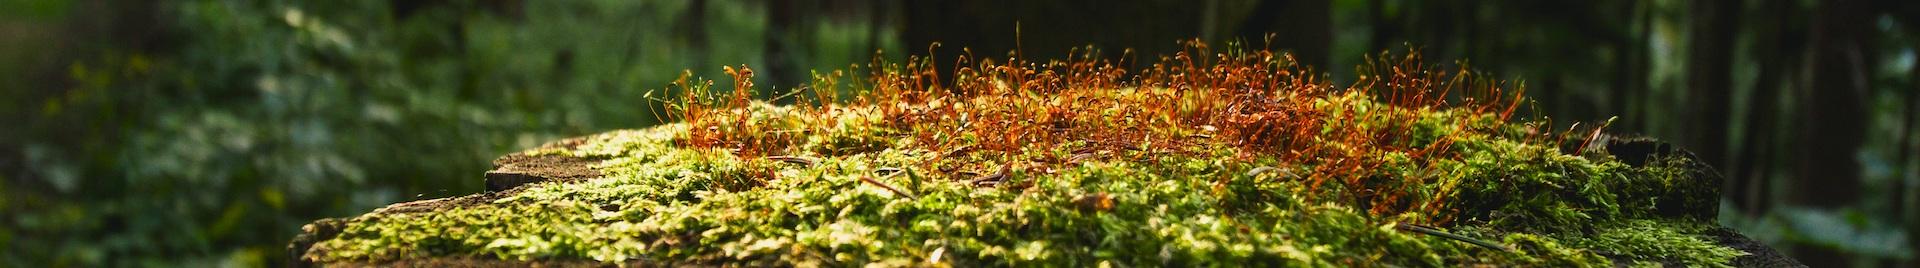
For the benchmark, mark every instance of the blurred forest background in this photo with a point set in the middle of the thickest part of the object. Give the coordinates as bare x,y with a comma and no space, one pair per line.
205,132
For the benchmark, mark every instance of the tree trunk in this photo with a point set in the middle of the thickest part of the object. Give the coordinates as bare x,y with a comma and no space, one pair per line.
1384,28
1710,76
693,27
1777,49
1624,71
780,54
1640,87
1303,27
1904,191
877,11
1833,121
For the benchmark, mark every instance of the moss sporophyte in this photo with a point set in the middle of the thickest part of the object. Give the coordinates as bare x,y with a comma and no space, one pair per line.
1235,156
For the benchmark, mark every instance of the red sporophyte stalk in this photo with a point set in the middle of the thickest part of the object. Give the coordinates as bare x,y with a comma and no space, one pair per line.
1259,102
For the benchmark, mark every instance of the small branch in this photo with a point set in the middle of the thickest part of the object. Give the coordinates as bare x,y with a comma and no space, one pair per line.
792,160
994,178
888,171
1081,157
1590,137
1443,234
888,187
1284,172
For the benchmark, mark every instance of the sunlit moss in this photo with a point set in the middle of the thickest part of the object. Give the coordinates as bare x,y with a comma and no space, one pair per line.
869,194
1657,241
1240,162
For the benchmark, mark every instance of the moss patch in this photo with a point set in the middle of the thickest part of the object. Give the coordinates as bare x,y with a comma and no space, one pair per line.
1008,170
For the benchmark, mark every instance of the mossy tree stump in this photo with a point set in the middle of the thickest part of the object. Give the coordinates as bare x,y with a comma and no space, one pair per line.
1244,158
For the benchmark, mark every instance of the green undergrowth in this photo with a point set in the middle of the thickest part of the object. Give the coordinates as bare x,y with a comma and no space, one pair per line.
862,193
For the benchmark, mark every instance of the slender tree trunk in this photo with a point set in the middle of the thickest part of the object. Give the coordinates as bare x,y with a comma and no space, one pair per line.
1470,29
1623,62
1385,29
876,19
1210,23
1901,193
1834,113
1776,51
1833,119
780,54
1710,76
1640,87
693,27
1304,27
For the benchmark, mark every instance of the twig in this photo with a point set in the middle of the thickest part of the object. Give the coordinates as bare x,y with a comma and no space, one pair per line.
957,151
888,187
1443,234
995,177
888,171
1284,172
792,160
1081,157
1594,136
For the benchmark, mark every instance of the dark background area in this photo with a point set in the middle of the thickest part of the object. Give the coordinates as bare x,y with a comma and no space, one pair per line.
197,133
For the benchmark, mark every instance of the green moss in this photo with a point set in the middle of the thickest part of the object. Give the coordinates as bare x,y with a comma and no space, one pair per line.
873,195
1677,242
1535,250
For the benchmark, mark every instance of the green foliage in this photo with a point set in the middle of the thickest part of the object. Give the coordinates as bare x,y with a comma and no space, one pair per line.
1659,241
258,116
1534,250
1534,188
